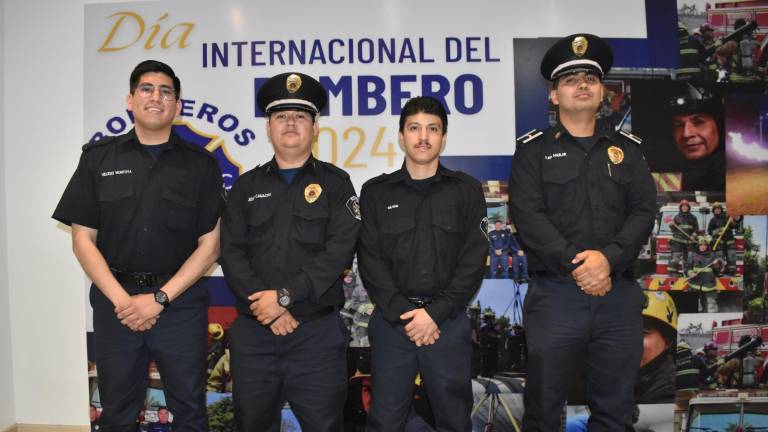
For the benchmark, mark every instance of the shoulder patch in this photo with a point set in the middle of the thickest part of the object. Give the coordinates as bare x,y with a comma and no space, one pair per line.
93,144
530,136
461,175
631,137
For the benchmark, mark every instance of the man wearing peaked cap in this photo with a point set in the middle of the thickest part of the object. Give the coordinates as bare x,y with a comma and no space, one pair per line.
583,201
292,91
288,233
577,53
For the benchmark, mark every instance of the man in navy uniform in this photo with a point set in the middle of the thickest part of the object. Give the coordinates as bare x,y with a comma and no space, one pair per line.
519,260
499,239
163,423
144,210
288,233
583,201
422,255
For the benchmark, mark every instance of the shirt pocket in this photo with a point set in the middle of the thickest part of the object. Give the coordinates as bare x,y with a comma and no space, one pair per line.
560,179
115,200
616,185
181,211
310,223
259,226
448,220
397,236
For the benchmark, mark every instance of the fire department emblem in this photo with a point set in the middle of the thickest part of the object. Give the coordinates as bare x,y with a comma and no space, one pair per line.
484,228
579,45
615,154
312,192
293,83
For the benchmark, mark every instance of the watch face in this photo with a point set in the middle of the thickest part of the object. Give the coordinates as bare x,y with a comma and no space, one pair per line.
161,298
283,298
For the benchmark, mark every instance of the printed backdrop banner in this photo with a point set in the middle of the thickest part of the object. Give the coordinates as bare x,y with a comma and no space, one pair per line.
372,56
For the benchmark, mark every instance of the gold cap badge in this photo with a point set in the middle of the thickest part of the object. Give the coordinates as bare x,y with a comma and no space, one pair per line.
293,83
312,192
579,45
615,154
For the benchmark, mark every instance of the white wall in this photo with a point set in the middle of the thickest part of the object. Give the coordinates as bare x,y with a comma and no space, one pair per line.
43,101
7,414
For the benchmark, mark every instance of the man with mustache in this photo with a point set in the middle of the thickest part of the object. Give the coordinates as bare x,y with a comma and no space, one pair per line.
583,201
422,252
696,128
144,209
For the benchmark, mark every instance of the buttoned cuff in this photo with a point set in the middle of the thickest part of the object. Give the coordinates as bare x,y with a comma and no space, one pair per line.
439,310
567,257
614,255
397,306
300,288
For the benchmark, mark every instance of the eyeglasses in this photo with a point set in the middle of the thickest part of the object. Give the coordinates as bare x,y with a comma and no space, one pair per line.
147,90
576,79
298,117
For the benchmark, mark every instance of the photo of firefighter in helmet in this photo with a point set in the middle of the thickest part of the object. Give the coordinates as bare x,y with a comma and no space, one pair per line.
684,128
697,128
720,41
656,378
684,227
721,374
697,254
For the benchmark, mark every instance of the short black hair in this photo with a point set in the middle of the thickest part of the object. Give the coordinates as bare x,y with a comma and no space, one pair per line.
149,66
426,105
162,407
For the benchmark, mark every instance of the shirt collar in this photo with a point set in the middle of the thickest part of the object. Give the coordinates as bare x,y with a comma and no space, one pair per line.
603,129
402,175
310,163
133,140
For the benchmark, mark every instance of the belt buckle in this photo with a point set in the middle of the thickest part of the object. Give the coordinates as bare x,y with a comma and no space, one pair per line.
143,280
419,302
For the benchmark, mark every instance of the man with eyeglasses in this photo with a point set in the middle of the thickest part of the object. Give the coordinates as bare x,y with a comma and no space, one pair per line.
288,233
583,201
144,209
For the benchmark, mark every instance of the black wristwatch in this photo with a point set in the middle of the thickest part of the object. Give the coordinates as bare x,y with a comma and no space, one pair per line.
162,298
284,298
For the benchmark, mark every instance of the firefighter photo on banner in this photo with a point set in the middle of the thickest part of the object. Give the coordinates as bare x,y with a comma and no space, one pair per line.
722,42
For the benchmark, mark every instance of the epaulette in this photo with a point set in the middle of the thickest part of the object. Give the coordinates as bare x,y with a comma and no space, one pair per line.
334,169
378,179
195,148
629,136
461,175
530,136
96,143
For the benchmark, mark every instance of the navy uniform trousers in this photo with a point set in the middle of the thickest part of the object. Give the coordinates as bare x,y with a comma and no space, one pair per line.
445,373
177,344
566,330
307,368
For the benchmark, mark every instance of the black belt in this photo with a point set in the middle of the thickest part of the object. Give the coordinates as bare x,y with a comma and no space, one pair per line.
420,302
141,280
